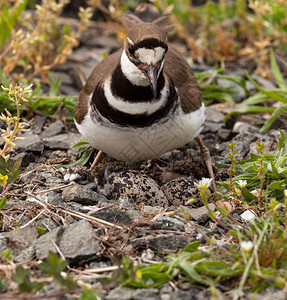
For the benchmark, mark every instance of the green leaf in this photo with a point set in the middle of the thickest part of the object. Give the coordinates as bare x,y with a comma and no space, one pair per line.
4,80
41,231
8,19
222,210
277,112
54,265
249,109
276,72
3,285
217,268
55,86
20,274
278,185
88,294
189,269
271,93
247,195
82,160
3,202
192,247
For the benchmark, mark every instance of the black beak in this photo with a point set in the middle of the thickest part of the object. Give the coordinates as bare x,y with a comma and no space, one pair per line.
151,73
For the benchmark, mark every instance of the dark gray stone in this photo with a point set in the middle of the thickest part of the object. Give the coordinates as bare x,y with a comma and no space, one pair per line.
238,91
76,242
199,215
213,115
135,215
54,128
169,223
150,294
211,127
19,241
47,223
37,124
29,143
81,194
26,158
120,292
62,141
162,242
242,128
191,294
223,134
113,215
266,84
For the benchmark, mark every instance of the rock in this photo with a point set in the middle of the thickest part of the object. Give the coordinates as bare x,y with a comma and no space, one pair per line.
47,223
138,187
120,292
26,158
126,203
152,209
199,215
76,242
37,124
168,223
98,41
180,190
113,215
64,76
19,241
62,141
81,194
135,215
264,83
150,294
223,134
213,115
54,128
238,91
29,143
126,293
242,128
211,127
162,242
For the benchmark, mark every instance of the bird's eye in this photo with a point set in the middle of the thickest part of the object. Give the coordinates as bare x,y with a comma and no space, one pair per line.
84,177
166,48
131,49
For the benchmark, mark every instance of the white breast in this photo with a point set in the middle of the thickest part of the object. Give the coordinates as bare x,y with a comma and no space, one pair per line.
132,144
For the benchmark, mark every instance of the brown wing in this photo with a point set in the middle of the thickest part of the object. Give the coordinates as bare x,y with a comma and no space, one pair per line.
99,74
184,80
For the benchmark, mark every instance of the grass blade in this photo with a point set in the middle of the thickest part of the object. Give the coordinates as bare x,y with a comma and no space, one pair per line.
276,71
277,112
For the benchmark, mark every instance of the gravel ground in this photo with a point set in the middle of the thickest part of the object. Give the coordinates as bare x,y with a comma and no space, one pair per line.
126,213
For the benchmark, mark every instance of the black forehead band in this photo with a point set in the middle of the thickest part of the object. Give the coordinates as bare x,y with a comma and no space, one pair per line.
150,44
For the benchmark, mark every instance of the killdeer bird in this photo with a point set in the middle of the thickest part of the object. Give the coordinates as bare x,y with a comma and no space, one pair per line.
143,100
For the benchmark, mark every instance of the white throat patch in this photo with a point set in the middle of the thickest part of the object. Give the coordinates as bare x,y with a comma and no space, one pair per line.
132,73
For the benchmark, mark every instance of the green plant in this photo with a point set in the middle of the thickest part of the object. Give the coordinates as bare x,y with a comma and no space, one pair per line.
253,104
9,169
264,173
53,270
37,48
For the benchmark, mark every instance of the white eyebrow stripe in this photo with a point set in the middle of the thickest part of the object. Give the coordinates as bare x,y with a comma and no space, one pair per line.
130,41
150,55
